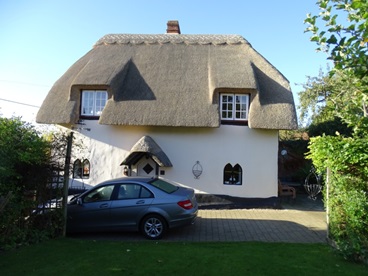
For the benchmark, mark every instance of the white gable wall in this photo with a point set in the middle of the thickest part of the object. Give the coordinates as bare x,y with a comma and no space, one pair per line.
254,150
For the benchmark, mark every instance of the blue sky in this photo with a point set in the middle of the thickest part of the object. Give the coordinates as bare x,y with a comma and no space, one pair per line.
41,39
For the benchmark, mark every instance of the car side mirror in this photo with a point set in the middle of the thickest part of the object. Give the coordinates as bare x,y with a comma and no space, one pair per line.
79,201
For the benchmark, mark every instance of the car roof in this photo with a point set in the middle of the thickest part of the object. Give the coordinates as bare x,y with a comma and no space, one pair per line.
128,178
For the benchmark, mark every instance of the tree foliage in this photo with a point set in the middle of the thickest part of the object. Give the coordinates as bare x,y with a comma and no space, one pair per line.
334,95
347,157
22,153
26,160
345,40
344,37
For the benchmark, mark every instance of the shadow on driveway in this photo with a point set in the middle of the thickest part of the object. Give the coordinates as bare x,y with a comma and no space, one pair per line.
265,225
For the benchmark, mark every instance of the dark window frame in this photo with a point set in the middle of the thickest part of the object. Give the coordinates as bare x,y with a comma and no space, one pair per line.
233,175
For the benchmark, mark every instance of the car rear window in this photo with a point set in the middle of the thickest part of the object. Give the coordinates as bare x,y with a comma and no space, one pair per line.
164,186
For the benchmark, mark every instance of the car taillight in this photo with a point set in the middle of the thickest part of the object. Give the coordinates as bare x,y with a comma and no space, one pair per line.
186,204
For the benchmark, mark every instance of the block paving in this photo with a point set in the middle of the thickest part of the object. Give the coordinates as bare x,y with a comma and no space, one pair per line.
302,221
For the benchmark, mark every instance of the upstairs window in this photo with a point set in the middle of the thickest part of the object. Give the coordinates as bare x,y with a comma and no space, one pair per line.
93,102
234,107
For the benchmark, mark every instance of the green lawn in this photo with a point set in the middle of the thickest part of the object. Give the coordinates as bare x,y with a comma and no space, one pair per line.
85,257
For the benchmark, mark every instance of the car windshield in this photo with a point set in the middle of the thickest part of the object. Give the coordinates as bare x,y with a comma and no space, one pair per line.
164,186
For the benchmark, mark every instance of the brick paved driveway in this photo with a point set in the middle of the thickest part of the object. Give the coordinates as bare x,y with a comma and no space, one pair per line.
266,225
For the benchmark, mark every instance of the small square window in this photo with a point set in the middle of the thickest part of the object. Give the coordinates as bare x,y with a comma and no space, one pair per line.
93,102
234,107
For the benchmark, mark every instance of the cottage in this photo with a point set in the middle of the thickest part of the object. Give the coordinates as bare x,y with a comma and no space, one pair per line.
201,110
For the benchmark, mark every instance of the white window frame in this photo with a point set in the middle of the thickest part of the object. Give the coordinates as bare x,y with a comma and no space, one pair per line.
233,108
93,102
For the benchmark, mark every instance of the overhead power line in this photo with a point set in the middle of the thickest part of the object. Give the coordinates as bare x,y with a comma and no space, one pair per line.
31,105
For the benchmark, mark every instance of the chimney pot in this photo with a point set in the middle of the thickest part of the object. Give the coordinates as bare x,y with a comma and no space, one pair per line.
173,27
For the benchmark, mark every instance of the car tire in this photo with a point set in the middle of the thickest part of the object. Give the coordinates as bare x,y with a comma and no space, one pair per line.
153,227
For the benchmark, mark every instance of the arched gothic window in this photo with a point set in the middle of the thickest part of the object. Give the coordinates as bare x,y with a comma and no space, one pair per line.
86,168
77,169
233,175
81,169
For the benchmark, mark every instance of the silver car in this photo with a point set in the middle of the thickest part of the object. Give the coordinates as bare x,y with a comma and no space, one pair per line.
150,205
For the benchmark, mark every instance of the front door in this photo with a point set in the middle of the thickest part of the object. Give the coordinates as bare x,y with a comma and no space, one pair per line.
146,167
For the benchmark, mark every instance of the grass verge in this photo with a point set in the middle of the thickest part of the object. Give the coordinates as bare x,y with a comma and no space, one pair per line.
85,257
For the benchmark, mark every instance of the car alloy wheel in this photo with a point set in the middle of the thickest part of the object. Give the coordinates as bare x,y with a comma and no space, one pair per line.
153,227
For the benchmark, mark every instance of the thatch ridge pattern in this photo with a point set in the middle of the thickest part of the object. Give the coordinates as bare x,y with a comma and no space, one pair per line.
136,39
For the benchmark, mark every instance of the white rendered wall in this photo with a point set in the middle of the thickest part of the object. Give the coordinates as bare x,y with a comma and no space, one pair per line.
254,150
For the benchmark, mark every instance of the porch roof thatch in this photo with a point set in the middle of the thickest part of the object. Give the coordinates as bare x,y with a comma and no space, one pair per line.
147,146
172,80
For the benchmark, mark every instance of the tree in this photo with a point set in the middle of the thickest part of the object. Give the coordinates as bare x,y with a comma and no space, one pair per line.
323,101
346,43
315,103
22,153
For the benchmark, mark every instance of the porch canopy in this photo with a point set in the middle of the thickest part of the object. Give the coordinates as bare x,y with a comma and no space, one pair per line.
146,146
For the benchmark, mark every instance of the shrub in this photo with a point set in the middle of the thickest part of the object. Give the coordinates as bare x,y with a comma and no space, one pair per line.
24,172
347,201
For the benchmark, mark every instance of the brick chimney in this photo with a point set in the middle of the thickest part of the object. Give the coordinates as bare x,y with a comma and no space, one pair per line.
173,27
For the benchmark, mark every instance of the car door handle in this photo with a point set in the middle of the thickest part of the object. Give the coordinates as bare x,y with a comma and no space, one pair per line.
105,205
140,202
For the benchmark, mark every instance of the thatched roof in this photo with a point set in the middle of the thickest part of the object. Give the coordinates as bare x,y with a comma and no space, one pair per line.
172,80
147,146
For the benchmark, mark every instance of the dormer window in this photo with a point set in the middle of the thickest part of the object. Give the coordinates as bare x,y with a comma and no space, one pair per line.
234,107
93,102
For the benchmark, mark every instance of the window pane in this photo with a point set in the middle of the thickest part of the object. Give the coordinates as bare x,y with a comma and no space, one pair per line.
164,186
93,102
87,103
86,169
241,108
101,98
122,192
237,175
228,170
145,193
77,169
100,194
226,106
